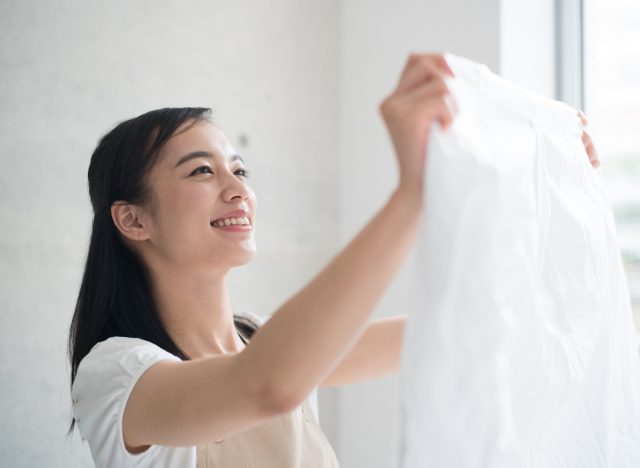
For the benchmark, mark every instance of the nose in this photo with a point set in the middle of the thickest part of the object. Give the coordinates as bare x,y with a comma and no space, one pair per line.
234,188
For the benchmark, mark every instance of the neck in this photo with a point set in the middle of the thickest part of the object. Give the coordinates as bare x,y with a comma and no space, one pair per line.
196,310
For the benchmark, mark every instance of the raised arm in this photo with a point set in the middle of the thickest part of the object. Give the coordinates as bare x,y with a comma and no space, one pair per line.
187,403
330,314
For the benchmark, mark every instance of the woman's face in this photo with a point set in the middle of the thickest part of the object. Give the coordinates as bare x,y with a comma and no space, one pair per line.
196,181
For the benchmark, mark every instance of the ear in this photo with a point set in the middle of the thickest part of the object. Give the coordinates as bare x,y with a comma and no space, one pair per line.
129,220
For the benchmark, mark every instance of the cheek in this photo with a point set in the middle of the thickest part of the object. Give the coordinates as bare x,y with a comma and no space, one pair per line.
187,201
253,201
185,212
197,199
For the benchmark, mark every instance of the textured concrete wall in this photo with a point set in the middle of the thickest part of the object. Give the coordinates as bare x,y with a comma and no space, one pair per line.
72,69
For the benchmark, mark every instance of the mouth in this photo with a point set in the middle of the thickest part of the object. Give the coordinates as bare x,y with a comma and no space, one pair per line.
241,224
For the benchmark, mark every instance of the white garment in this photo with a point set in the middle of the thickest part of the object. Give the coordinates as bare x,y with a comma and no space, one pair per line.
105,378
522,351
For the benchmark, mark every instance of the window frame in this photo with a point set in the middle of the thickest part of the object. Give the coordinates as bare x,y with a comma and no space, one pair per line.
570,52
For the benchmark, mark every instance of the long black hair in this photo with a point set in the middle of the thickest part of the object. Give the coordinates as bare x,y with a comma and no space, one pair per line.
115,295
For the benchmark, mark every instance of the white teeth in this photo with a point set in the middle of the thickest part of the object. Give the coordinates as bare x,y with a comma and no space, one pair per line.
229,221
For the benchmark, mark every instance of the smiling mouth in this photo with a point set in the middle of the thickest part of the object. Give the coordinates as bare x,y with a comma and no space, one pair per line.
232,227
230,222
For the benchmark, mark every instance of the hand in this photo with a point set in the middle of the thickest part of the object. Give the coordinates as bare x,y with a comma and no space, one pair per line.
588,144
409,112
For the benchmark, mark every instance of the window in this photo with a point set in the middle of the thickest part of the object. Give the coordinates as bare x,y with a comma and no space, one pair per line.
598,70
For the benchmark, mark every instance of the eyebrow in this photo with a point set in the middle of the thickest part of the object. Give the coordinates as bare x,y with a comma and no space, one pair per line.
205,154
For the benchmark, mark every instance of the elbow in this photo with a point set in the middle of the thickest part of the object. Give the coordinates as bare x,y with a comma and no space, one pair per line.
272,395
280,400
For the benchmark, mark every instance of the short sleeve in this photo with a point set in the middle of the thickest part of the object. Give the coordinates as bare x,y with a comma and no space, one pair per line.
105,378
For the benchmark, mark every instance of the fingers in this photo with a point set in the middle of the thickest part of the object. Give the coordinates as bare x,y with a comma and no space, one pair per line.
421,68
442,113
590,149
429,101
422,90
428,90
443,62
433,100
583,118
588,143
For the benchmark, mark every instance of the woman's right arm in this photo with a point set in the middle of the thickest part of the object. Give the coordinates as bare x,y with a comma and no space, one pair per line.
187,403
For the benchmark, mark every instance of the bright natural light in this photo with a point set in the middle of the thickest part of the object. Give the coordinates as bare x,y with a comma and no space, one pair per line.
612,103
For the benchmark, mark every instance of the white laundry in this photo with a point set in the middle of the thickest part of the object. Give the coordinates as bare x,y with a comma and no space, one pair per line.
522,351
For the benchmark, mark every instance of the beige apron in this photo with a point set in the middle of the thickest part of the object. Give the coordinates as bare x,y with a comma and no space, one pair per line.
291,440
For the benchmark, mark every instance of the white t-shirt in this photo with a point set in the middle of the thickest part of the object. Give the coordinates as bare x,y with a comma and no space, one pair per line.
105,378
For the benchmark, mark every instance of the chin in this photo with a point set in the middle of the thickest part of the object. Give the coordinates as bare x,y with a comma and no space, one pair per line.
243,258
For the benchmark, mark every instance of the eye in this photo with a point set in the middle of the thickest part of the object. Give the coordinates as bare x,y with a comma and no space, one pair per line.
245,173
199,170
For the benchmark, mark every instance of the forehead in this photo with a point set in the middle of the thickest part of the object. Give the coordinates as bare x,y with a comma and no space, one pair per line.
198,136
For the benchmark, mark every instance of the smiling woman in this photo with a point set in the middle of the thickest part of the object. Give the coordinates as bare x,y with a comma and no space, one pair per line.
161,367
173,213
164,373
151,193
197,179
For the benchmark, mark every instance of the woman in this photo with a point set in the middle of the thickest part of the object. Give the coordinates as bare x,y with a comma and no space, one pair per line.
163,372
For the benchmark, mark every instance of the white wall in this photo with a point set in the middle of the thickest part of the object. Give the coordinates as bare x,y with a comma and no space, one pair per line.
527,44
71,70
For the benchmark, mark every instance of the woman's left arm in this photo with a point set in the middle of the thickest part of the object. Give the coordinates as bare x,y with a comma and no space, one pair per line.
375,354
